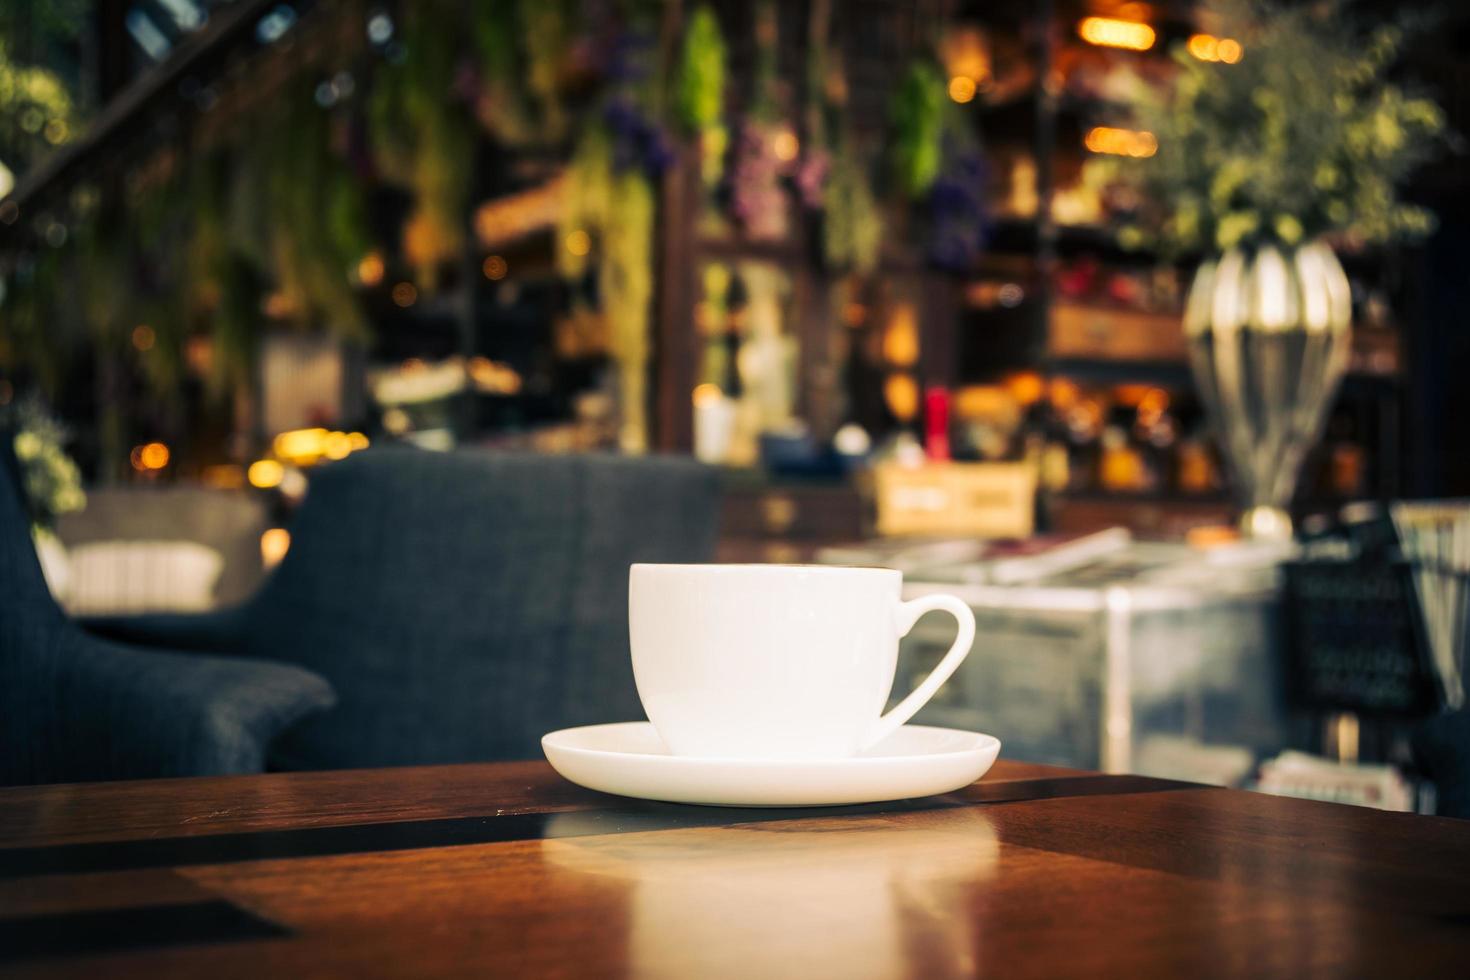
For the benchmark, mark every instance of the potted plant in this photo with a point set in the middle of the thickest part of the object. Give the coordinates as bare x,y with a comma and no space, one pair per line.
51,483
1275,150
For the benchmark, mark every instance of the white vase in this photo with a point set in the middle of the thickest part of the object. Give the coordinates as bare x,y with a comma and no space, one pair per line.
55,565
1270,335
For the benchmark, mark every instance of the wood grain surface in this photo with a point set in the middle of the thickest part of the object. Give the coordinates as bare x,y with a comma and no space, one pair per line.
506,870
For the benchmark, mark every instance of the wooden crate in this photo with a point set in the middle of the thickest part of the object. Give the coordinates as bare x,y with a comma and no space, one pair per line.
988,500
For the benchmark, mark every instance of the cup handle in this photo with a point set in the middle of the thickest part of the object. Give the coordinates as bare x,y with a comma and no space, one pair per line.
906,615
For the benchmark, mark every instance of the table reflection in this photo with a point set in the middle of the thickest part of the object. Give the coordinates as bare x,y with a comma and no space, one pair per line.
749,900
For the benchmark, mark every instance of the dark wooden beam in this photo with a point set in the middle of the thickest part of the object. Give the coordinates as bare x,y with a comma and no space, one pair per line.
121,117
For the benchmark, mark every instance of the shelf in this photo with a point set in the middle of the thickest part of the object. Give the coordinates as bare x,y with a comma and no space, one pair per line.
1120,372
1099,333
1107,342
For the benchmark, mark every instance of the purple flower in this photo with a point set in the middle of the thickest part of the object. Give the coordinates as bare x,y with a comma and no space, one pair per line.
811,178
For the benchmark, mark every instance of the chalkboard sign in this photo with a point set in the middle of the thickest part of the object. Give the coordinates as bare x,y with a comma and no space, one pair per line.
1356,639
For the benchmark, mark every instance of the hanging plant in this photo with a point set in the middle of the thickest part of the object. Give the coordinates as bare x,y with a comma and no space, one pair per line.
319,228
544,23
223,286
917,118
515,79
955,203
758,201
833,179
422,137
938,164
700,93
852,225
585,207
607,218
133,265
625,282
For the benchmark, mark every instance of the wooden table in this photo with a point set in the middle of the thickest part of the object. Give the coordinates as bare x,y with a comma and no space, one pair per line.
507,871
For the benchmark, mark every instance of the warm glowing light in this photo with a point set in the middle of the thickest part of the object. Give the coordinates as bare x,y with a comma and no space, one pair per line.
1121,142
396,421
336,445
1062,393
265,473
579,242
274,544
1026,387
143,337
494,268
494,377
707,394
964,50
199,354
901,338
901,392
1207,47
278,306
300,445
1154,400
223,476
785,146
370,269
404,294
1109,32
153,456
357,441
962,89
853,314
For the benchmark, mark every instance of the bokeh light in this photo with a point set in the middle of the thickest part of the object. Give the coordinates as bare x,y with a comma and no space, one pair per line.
265,474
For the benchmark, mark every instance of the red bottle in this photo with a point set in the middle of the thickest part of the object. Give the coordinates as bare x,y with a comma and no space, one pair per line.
936,423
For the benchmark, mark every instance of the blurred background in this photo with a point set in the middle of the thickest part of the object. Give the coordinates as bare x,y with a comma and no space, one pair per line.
919,278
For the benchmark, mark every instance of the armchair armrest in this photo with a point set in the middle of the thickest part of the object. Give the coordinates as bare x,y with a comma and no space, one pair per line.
217,631
98,710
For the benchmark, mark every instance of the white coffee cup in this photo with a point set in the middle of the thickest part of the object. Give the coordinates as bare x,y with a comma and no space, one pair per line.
777,661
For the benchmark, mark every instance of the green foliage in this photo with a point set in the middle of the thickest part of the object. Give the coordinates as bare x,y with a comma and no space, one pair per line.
544,24
52,483
700,99
917,119
318,229
585,207
612,214
519,46
223,288
852,225
616,211
1303,137
37,112
699,96
422,138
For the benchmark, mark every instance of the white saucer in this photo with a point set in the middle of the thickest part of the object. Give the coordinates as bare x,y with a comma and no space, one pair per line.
629,759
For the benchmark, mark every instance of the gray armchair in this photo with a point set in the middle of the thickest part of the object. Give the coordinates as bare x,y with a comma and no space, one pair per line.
75,707
461,604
